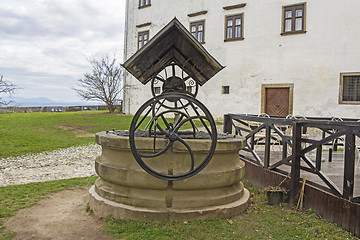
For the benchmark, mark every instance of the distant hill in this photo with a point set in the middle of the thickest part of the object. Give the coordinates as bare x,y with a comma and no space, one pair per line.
42,102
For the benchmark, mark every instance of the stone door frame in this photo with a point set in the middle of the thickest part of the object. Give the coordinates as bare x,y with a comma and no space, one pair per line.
290,86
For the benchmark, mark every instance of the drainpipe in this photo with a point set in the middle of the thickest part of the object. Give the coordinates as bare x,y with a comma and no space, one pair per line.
127,5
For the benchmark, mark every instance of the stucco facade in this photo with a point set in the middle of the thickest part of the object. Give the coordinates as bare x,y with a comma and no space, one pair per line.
308,63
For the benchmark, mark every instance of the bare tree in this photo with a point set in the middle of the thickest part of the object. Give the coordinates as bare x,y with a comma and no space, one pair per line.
104,83
6,87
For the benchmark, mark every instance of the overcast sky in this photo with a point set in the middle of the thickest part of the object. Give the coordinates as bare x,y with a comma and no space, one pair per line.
44,43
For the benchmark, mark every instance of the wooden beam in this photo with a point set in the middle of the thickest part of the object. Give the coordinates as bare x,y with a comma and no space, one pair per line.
241,5
197,13
295,164
348,183
143,25
227,124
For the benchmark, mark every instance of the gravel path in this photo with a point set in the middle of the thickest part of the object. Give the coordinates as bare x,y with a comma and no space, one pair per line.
59,164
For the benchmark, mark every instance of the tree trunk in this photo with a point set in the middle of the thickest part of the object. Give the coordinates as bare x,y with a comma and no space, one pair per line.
111,108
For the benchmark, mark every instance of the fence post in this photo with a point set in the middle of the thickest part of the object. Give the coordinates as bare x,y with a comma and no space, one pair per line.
267,146
227,124
318,158
284,149
349,165
295,163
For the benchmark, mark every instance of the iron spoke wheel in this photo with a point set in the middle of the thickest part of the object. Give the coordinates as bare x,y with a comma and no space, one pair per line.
171,124
173,77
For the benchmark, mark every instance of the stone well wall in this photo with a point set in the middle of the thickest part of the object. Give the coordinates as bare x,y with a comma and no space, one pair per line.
124,190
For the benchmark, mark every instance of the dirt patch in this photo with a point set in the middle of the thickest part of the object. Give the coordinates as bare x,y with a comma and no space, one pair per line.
62,216
78,130
44,130
83,134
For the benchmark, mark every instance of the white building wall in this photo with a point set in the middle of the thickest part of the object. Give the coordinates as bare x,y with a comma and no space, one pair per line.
312,61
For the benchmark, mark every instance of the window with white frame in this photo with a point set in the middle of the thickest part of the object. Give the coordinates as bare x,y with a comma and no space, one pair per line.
294,19
144,3
143,38
234,27
197,29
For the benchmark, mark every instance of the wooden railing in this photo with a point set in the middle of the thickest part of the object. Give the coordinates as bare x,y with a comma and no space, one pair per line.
301,144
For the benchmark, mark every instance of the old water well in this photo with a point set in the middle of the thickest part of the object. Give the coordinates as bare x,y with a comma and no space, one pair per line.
171,165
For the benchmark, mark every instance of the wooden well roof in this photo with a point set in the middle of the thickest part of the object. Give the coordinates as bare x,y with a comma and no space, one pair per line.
173,43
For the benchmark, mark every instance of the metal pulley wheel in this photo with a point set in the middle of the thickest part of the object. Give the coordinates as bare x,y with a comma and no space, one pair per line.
173,78
168,119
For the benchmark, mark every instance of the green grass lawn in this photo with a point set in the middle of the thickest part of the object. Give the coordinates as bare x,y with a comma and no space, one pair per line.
259,221
24,133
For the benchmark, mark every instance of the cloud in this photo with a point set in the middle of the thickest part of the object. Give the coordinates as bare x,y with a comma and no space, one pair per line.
46,39
62,18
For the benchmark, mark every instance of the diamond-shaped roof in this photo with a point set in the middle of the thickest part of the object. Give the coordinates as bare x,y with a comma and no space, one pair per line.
173,43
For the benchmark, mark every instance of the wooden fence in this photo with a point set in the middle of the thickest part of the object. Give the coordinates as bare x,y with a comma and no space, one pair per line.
301,143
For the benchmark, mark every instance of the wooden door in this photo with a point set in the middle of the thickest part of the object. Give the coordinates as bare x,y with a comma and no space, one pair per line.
277,101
